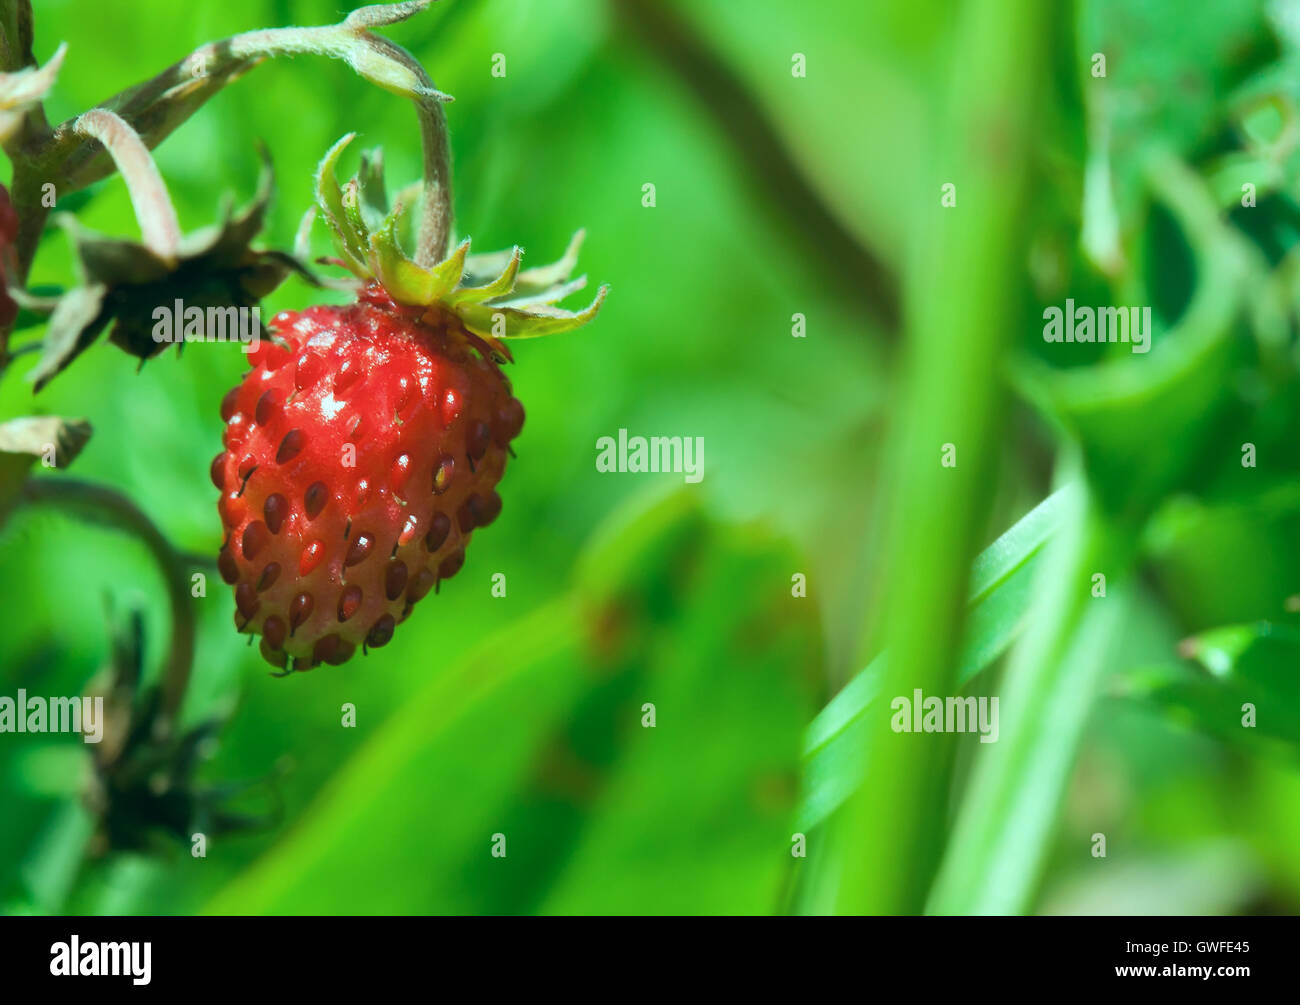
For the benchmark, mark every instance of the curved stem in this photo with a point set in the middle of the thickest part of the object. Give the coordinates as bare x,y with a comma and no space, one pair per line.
435,222
116,510
153,207
157,106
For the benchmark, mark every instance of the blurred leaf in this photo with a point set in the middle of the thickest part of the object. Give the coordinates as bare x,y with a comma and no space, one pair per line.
1175,392
429,787
537,737
1001,581
1255,665
1210,878
1000,840
49,875
695,817
1166,77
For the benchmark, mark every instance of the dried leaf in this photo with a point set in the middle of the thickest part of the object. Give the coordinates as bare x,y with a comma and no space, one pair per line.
24,440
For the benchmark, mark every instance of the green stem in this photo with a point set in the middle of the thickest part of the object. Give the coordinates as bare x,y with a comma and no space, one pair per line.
972,254
15,34
156,107
64,158
339,41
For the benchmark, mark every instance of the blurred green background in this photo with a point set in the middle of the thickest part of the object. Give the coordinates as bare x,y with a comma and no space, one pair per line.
776,195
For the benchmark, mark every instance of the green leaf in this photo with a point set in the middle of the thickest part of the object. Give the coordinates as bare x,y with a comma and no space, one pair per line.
1201,61
562,768
1176,393
410,793
1247,694
694,814
1001,592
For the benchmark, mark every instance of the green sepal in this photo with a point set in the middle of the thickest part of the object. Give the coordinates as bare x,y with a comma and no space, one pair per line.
372,198
544,277
550,295
405,281
329,197
489,293
531,323
500,286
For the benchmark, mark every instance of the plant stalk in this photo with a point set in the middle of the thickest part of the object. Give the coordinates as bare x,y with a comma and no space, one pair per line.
972,253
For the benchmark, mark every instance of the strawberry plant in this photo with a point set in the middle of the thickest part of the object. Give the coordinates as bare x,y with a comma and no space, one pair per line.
365,444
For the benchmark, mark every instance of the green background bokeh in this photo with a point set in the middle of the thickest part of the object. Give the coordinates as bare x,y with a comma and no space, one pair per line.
523,715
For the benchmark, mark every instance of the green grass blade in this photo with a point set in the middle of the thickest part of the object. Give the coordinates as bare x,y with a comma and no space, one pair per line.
1001,581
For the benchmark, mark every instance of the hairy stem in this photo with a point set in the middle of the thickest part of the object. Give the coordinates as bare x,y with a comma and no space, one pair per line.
153,207
64,158
15,34
435,222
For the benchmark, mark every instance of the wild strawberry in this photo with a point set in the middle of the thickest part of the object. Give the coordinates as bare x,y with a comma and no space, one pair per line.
365,445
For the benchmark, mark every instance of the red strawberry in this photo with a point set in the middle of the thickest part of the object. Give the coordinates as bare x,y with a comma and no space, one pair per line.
359,458
365,444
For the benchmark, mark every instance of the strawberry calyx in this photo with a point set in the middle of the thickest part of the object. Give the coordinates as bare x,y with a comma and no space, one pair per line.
488,294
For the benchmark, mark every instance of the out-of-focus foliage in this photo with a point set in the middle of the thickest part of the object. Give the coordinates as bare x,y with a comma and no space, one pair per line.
519,714
522,715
